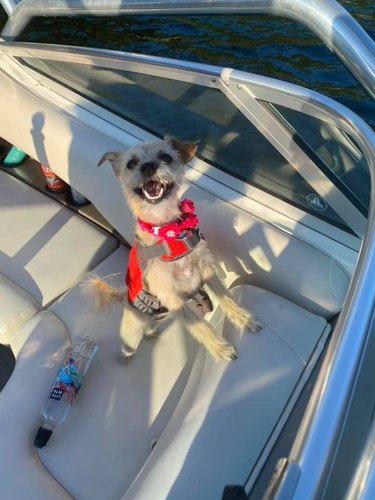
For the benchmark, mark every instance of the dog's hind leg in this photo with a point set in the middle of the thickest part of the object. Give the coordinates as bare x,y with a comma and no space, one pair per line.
236,314
202,331
134,325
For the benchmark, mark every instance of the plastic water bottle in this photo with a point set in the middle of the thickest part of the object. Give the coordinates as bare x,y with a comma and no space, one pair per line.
65,388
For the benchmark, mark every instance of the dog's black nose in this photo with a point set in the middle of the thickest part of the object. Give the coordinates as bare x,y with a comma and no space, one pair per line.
149,168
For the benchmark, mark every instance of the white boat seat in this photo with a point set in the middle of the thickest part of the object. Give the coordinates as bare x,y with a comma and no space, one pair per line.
45,247
210,420
259,254
39,348
230,412
17,306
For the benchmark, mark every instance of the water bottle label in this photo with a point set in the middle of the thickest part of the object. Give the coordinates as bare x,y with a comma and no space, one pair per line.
56,394
69,380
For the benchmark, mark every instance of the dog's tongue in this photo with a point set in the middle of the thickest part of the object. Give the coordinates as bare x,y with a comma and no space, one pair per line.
153,188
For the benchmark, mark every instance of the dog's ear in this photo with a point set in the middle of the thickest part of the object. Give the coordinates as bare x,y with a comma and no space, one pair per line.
114,158
185,150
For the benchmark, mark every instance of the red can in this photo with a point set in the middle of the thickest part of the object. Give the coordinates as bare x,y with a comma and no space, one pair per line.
53,182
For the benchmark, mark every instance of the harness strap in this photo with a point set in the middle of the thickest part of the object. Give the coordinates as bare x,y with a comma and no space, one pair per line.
182,245
140,260
167,250
148,304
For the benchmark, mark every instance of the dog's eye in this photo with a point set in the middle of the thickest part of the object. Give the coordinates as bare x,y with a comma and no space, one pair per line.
166,158
132,163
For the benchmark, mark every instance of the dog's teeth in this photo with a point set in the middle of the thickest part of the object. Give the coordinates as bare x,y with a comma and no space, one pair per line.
149,197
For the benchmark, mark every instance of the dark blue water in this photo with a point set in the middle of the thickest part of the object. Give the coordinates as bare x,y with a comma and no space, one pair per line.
266,45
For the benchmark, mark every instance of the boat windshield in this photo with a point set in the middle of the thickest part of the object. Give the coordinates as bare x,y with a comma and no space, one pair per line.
326,18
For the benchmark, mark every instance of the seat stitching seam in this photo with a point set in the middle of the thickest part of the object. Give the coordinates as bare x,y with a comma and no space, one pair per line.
331,262
275,333
284,340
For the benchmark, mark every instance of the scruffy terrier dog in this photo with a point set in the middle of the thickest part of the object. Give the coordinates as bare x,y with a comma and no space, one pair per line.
170,262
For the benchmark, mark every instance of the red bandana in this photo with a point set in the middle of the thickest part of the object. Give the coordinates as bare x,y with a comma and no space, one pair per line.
172,230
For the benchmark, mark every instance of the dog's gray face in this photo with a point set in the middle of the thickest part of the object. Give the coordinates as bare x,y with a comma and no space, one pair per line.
151,172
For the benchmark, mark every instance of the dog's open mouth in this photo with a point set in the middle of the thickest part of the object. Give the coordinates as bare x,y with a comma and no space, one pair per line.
154,190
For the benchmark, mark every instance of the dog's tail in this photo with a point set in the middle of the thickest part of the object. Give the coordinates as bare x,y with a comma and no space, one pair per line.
100,293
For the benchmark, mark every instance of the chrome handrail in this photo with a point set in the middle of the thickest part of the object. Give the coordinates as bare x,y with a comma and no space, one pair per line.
108,58
9,5
326,18
362,486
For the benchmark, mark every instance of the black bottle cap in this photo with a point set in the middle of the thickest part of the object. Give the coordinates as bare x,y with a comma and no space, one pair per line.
42,437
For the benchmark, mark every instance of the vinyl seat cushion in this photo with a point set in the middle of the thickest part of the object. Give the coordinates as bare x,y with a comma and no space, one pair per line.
45,247
211,420
17,306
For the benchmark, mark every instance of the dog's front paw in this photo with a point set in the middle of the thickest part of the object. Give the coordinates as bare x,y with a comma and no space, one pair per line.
239,316
254,325
224,352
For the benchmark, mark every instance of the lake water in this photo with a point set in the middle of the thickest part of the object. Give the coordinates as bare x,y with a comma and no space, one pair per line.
266,45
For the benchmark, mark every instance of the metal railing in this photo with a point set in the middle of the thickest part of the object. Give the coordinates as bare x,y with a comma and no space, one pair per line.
326,18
